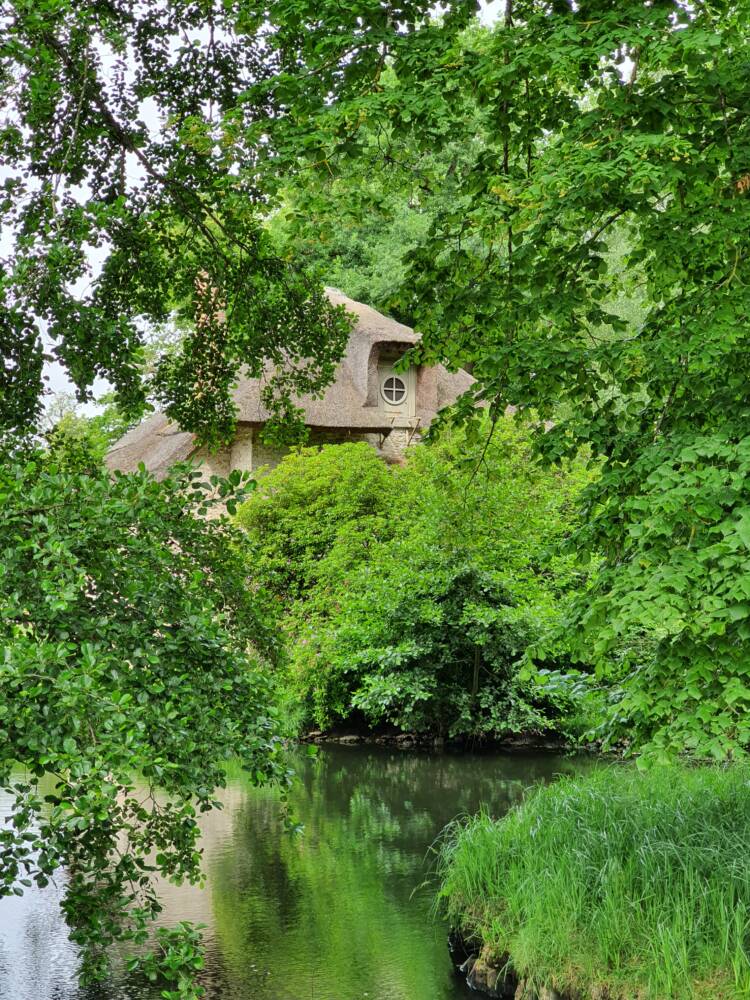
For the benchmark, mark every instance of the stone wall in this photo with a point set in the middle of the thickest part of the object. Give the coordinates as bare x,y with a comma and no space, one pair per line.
248,453
216,463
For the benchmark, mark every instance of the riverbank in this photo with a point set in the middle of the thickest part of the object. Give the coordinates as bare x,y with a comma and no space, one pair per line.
388,736
613,886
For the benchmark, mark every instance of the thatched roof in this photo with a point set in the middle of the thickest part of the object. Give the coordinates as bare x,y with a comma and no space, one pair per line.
348,403
157,442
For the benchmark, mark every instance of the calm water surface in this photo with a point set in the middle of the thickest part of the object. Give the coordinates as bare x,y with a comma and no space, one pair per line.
339,913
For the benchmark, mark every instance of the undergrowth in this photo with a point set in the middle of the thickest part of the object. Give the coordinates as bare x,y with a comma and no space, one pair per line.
620,884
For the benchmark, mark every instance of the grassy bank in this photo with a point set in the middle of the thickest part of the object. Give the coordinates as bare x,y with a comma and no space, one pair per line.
618,884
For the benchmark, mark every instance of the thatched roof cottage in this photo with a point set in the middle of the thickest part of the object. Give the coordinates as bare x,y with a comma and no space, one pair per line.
368,401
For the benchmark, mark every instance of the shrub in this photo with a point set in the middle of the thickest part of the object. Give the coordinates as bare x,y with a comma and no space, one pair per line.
129,646
412,593
620,883
293,518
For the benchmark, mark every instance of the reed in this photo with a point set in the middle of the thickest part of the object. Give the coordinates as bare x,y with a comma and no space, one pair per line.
620,883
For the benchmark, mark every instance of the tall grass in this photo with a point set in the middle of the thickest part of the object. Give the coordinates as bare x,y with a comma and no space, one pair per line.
618,884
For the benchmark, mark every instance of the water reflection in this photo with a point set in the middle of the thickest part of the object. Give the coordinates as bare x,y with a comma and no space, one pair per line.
336,914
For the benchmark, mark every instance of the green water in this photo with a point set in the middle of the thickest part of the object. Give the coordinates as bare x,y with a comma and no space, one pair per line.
339,913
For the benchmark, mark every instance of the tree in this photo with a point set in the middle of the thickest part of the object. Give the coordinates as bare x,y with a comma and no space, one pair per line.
293,519
355,219
131,651
616,168
141,152
81,442
142,148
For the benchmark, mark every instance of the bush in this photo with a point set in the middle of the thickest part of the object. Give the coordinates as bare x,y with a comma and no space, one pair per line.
620,884
412,593
293,518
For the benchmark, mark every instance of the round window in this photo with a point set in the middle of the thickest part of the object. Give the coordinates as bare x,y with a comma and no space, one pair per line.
394,390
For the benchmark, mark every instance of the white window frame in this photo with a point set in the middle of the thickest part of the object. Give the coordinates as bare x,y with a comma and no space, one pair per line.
399,385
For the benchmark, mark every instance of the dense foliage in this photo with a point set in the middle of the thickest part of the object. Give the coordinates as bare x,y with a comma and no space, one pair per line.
620,884
142,147
411,594
126,681
299,508
620,125
356,220
571,208
81,442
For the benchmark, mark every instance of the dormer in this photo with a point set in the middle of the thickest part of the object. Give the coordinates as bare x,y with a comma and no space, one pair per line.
397,390
392,392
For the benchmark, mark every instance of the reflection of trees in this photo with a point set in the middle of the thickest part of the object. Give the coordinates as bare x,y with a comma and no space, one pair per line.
332,914
316,911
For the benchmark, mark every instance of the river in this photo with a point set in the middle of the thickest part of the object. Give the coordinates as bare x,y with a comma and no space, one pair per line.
340,912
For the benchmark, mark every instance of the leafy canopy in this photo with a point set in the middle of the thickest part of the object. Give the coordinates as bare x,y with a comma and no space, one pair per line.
355,219
615,169
142,147
584,255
